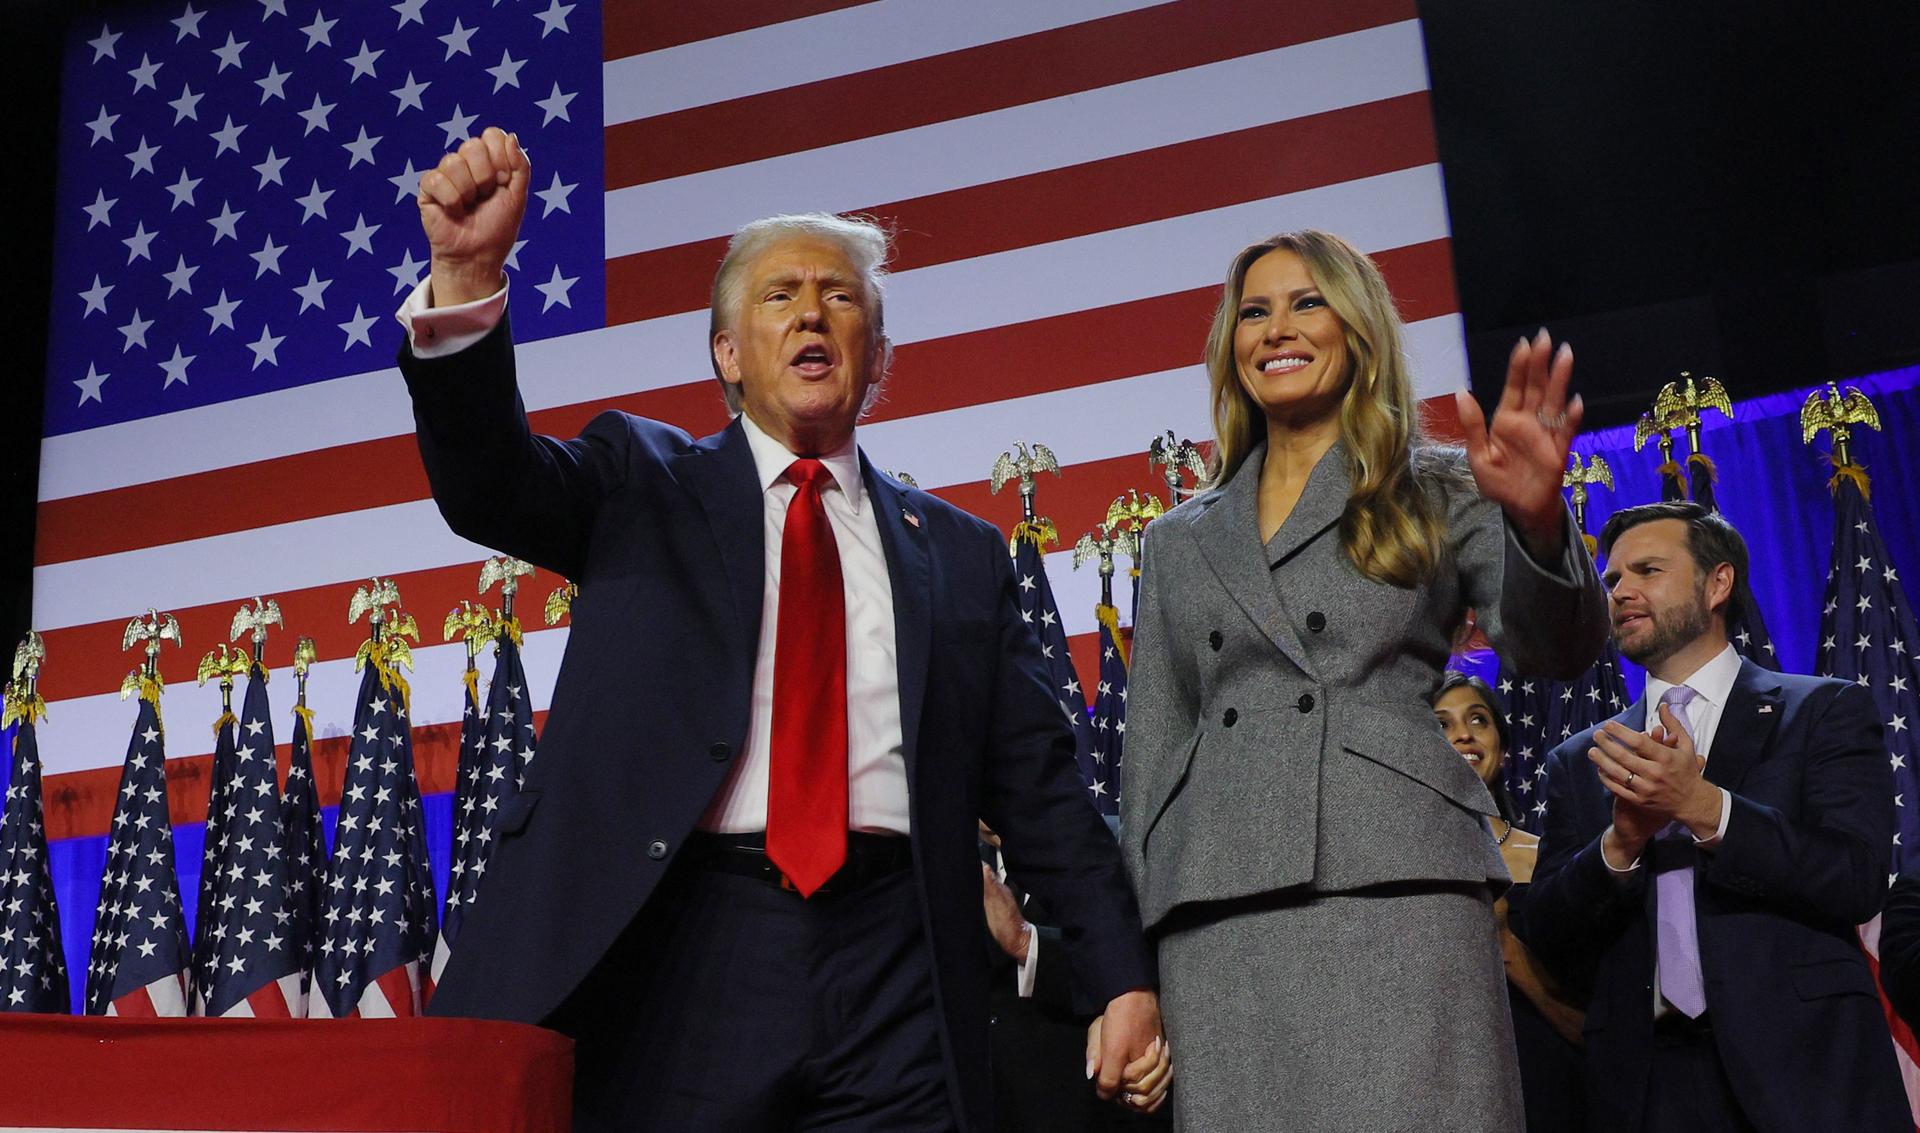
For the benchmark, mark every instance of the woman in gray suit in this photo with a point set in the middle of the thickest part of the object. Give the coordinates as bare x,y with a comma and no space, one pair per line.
1310,852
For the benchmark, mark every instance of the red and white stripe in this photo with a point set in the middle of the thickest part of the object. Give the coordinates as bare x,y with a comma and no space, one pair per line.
395,994
1068,182
164,998
280,999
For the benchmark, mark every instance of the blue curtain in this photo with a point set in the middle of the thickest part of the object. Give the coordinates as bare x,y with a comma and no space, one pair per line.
1773,488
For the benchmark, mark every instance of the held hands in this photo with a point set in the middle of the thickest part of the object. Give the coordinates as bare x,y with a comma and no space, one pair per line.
1655,779
470,206
1127,1052
1010,930
1519,457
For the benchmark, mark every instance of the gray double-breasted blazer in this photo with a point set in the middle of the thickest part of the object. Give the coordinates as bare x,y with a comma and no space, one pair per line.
1278,731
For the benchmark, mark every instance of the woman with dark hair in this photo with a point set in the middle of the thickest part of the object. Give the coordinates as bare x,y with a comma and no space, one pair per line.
1311,855
1546,1019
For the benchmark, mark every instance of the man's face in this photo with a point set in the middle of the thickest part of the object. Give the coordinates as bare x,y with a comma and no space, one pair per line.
801,345
1660,600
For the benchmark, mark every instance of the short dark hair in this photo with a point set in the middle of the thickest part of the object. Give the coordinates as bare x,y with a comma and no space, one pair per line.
1711,540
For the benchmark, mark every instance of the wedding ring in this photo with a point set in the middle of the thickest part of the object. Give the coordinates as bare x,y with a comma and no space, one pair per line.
1628,782
1556,421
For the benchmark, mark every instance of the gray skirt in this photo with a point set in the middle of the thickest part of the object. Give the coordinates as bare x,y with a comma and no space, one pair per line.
1377,1010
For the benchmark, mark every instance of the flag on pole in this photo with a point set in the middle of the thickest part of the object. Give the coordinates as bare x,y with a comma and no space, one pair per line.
306,846
253,966
220,775
1040,611
1109,725
1868,636
466,785
140,958
503,747
33,970
377,933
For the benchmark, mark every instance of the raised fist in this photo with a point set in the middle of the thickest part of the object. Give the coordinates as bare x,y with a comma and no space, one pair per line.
470,206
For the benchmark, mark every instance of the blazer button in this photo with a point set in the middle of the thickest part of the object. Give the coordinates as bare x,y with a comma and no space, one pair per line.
1230,717
720,752
1306,702
1316,621
656,849
1214,639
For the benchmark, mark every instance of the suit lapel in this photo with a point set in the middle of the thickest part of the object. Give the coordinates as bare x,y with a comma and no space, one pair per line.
911,577
1746,726
1229,537
1320,506
719,473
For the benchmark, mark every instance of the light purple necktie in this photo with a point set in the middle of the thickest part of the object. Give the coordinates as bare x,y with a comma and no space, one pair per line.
1678,932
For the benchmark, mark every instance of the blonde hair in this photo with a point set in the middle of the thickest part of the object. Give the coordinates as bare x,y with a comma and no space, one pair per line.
1393,529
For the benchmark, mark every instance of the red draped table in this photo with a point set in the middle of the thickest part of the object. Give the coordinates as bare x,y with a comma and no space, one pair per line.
383,1075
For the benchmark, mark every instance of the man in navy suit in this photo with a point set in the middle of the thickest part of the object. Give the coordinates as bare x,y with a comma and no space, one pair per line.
1707,856
743,872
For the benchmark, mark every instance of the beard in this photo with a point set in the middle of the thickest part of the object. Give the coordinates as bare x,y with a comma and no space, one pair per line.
1671,630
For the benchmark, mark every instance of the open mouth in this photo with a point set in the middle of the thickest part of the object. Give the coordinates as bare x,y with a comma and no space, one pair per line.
1629,621
1284,364
1470,755
813,361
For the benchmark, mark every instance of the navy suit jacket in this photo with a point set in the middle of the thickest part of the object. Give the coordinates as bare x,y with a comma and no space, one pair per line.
1796,1018
664,535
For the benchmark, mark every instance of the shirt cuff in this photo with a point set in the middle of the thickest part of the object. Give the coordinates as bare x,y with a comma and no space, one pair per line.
1726,812
435,332
1611,868
1031,965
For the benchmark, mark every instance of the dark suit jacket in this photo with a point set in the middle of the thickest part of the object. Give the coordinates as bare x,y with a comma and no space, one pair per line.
1795,1015
1039,1042
663,534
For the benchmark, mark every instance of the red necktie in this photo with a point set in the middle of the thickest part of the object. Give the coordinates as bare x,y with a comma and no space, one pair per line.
807,779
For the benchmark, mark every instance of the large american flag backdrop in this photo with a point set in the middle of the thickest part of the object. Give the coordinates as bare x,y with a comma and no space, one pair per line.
235,227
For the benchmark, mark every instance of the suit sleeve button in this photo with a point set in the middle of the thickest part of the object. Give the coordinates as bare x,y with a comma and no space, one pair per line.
1214,639
720,752
1316,621
656,849
1230,716
1306,702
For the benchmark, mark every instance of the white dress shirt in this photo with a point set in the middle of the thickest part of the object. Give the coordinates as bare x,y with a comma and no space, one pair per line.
876,762
1712,684
1029,968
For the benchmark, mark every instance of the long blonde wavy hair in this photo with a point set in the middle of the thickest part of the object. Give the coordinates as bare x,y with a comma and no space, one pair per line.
1392,529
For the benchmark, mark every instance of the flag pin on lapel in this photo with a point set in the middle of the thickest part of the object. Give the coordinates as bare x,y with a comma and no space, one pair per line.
913,520
1765,709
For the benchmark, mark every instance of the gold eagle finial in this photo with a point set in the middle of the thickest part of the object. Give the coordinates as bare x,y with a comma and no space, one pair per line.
1174,457
560,602
1033,458
152,630
1837,412
22,694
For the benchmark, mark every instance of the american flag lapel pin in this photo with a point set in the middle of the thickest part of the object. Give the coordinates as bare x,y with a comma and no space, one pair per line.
913,520
1766,709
